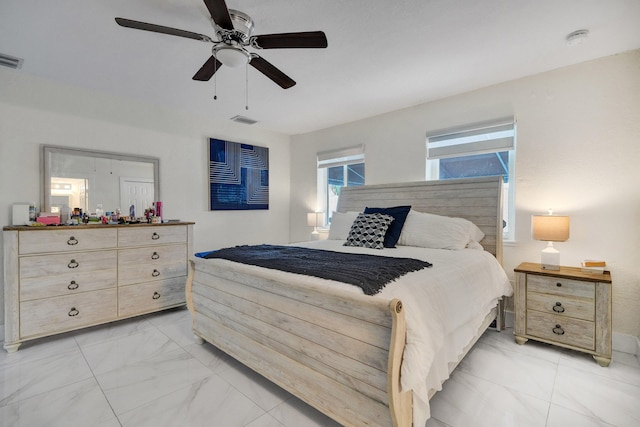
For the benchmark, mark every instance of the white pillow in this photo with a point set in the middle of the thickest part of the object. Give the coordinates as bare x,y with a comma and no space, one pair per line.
438,232
341,223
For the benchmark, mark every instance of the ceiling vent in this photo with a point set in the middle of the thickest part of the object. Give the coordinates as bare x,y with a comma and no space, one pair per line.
10,61
244,120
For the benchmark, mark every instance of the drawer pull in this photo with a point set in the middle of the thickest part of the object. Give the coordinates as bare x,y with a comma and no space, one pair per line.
155,255
155,236
156,295
72,241
155,273
558,308
73,264
558,284
73,312
558,330
73,286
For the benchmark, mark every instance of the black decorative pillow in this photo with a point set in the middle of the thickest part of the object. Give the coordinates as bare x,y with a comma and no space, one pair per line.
399,214
368,230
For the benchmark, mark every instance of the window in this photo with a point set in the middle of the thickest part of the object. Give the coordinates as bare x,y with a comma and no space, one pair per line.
481,149
337,169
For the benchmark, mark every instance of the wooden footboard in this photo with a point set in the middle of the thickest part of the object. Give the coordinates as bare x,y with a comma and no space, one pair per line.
339,352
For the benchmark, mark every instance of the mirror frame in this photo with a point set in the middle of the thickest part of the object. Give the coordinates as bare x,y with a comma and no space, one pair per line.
45,198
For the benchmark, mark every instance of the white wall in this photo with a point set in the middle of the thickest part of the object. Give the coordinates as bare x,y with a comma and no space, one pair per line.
578,150
34,112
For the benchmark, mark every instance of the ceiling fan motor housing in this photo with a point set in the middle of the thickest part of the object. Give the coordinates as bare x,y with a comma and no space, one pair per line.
242,28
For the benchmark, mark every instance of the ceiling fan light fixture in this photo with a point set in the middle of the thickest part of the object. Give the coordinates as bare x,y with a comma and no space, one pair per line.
232,56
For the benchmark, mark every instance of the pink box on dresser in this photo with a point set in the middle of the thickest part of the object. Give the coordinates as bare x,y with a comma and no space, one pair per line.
48,220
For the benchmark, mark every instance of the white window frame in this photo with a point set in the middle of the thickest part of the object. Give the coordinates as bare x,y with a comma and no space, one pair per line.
329,159
479,138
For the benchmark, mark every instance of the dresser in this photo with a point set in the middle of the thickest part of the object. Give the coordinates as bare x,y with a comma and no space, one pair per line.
63,278
567,307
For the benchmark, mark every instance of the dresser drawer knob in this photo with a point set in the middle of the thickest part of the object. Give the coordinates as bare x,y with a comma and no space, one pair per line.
558,284
558,330
73,312
558,308
156,295
155,255
155,236
73,264
155,273
72,241
73,285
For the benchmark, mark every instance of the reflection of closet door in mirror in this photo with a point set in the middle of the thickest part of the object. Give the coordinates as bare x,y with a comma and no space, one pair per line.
137,192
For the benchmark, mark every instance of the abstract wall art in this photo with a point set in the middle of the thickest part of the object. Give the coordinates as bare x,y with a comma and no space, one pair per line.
238,176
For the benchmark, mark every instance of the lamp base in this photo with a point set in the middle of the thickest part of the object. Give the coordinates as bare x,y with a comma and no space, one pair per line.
550,258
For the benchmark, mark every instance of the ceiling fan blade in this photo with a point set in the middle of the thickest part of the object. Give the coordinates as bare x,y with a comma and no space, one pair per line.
309,39
208,69
266,68
123,22
220,13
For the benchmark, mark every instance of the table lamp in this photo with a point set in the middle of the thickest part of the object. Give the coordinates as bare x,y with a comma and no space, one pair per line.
550,228
314,219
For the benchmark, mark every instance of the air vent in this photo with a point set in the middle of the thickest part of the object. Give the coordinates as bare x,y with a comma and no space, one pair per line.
10,61
244,120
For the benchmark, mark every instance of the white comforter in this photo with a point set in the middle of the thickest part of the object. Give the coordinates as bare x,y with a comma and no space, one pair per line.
448,300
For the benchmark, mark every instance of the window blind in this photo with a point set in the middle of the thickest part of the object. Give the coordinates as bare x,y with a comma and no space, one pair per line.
478,138
343,156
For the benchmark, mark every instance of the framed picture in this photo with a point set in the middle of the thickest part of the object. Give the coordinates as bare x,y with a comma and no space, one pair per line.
238,176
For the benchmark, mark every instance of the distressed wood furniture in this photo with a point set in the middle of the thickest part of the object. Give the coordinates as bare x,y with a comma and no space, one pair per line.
340,352
567,307
63,278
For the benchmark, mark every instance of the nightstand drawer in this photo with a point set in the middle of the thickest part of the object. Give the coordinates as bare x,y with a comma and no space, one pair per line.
560,286
561,305
576,332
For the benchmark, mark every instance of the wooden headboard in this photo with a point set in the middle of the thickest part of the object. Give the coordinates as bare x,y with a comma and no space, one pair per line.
477,199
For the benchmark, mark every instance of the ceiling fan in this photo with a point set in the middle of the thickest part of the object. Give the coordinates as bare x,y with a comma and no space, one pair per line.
234,34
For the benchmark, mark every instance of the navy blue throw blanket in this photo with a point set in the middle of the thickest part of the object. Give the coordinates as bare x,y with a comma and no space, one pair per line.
369,272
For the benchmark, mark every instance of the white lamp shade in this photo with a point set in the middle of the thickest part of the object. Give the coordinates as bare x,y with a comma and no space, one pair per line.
550,228
314,219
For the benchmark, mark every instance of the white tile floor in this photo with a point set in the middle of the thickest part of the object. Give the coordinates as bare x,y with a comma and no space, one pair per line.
149,372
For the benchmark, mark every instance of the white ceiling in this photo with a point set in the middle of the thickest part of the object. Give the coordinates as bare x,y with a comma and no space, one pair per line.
383,55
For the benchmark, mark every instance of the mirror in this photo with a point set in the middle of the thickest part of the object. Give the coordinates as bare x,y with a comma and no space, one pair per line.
86,179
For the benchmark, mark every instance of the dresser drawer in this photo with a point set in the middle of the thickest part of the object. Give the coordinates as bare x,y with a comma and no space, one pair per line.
152,235
151,263
64,313
147,297
561,305
575,332
81,262
561,286
67,284
77,239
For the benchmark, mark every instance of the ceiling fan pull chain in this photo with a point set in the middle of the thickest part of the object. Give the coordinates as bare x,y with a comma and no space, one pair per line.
246,107
215,80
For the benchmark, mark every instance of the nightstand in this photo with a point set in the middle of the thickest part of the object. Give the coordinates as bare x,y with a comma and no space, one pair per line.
567,307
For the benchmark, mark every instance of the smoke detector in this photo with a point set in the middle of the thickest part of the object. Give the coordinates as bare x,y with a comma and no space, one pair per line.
577,37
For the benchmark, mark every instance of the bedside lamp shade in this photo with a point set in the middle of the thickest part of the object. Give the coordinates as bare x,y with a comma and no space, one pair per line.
314,219
550,228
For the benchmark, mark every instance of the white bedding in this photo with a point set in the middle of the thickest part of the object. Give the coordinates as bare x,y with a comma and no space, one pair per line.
448,300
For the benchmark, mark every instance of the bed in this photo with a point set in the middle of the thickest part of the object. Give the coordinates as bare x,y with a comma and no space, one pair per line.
363,360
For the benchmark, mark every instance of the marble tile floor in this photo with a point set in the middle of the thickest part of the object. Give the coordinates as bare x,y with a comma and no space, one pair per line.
149,371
